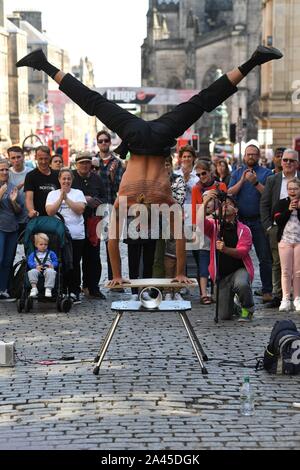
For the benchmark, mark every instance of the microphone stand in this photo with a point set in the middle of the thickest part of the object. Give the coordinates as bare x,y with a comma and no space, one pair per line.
219,228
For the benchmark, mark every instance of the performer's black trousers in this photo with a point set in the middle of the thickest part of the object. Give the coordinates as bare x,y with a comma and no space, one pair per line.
140,134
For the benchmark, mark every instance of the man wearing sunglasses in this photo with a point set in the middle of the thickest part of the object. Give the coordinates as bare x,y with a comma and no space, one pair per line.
146,179
111,170
276,189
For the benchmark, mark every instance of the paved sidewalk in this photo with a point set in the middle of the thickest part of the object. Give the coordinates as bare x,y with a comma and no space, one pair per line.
150,393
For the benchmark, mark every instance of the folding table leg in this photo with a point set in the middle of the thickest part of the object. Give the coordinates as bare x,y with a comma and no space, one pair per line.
99,358
194,340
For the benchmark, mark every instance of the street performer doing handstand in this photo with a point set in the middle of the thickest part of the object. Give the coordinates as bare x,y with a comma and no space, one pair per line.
146,179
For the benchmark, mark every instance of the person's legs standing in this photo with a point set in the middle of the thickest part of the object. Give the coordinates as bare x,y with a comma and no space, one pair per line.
296,276
286,253
74,276
204,258
134,256
109,270
91,267
148,257
8,242
276,269
158,263
263,252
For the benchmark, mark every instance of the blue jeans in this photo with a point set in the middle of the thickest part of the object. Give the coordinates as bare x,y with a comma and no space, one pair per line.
235,283
263,252
8,243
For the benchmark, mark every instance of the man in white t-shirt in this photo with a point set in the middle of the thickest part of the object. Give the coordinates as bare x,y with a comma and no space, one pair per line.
17,173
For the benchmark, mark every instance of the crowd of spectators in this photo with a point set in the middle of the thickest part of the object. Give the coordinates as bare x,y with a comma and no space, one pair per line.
262,198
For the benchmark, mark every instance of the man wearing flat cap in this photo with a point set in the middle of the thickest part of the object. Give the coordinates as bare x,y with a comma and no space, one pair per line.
92,187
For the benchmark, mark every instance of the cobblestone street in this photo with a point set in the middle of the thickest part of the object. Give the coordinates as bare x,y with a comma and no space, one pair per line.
150,393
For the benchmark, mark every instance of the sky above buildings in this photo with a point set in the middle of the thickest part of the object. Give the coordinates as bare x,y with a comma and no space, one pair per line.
109,32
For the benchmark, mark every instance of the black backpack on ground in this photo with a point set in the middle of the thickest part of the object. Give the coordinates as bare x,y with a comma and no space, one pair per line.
16,280
282,355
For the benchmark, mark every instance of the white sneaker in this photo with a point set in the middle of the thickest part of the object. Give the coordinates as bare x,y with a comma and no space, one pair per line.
297,304
168,296
177,296
285,305
34,292
48,292
134,297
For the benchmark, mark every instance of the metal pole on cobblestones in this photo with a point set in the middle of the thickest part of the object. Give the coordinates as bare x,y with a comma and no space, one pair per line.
219,225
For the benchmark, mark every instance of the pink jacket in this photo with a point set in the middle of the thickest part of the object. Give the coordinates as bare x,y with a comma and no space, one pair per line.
243,246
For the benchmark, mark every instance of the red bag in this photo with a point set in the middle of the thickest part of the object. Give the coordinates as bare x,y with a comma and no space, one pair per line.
92,223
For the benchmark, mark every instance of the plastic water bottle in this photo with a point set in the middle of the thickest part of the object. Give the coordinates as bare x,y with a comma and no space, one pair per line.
246,398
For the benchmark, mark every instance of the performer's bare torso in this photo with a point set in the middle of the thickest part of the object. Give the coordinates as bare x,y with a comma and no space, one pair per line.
146,180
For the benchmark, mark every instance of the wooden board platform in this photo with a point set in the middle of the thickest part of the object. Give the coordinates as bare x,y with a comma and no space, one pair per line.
155,282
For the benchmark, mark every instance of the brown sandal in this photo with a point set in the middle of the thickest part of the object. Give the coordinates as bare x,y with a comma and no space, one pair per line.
205,300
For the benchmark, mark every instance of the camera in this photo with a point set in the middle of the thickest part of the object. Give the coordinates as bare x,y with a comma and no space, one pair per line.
221,195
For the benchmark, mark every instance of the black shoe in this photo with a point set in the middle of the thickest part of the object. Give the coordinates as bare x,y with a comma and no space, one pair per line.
97,295
35,59
274,303
265,54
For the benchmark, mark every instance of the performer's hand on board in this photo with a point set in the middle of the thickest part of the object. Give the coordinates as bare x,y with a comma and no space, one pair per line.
117,281
183,279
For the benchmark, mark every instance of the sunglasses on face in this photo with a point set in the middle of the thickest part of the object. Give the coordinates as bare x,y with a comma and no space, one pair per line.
288,160
202,173
103,141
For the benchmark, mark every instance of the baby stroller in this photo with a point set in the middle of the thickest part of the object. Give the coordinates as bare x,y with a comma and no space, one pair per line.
55,229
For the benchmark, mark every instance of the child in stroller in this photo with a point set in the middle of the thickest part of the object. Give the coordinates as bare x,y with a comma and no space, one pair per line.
42,262
57,242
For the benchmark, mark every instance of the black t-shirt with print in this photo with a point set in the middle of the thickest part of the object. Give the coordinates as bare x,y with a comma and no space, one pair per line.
41,185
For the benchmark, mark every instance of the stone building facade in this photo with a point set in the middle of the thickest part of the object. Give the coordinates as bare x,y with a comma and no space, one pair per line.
4,90
38,82
280,80
20,125
190,42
